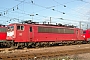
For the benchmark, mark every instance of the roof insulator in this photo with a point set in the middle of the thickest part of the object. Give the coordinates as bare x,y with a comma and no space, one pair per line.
36,14
63,13
4,13
0,14
64,5
17,7
53,9
32,2
13,8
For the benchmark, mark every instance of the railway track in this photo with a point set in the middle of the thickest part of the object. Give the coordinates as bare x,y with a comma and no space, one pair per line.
5,49
32,54
44,55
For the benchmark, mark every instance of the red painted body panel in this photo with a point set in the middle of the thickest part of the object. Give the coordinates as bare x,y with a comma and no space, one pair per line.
38,37
86,34
22,36
34,36
3,34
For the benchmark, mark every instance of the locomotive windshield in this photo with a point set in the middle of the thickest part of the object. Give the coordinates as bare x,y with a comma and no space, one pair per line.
10,28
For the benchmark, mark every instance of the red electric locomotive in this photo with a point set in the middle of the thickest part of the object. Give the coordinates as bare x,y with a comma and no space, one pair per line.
86,35
33,34
3,34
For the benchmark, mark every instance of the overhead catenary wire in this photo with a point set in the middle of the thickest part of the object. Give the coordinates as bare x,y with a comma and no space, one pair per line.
73,9
44,7
66,3
5,12
41,6
59,3
84,1
38,6
49,8
12,8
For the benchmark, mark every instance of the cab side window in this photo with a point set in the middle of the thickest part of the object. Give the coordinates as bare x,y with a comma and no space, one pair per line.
20,27
30,29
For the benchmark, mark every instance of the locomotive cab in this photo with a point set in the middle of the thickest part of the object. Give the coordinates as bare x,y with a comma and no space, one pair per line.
86,34
19,32
10,33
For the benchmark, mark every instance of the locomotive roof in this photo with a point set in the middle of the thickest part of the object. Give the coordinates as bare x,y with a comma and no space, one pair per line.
44,24
87,29
2,25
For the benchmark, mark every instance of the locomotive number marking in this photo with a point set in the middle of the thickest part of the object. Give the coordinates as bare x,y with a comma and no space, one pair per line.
20,34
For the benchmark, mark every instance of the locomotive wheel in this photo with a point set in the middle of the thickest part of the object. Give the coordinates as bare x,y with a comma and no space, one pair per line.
37,45
9,45
21,45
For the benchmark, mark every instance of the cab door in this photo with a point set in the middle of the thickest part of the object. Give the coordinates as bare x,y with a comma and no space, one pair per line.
30,33
77,34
